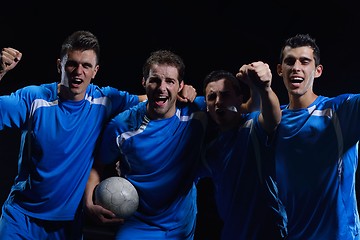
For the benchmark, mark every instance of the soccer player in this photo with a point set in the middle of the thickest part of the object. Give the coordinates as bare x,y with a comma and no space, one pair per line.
239,160
316,150
160,144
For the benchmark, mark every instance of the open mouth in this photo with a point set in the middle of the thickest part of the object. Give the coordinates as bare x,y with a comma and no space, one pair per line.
76,82
232,108
297,80
222,111
160,101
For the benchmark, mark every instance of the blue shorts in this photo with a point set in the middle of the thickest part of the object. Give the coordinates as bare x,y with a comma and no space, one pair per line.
16,225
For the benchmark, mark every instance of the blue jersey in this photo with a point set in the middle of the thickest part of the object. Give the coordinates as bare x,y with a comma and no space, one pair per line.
316,161
241,164
57,143
159,157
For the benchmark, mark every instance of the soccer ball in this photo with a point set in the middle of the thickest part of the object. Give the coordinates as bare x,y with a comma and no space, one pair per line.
118,195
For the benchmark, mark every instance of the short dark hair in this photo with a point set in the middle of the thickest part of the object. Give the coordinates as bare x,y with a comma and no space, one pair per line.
165,57
222,74
81,40
301,40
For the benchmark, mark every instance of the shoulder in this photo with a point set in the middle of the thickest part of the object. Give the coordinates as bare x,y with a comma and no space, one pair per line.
104,91
44,91
198,105
110,91
340,99
131,117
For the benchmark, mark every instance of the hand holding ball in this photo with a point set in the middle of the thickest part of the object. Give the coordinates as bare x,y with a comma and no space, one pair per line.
118,195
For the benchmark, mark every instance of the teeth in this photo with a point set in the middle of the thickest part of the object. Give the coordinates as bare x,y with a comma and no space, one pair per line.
162,97
232,108
297,80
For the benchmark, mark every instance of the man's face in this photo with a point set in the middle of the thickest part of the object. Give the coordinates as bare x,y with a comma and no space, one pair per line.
222,103
162,87
298,70
77,70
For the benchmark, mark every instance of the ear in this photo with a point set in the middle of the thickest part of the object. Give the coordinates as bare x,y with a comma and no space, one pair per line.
181,86
95,71
318,70
143,82
279,70
58,65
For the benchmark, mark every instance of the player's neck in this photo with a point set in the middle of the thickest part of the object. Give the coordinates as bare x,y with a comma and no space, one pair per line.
301,101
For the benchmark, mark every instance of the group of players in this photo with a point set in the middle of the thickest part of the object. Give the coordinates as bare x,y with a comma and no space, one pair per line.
279,171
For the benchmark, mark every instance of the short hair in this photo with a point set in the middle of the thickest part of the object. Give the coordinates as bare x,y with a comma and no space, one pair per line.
81,40
216,75
165,57
301,40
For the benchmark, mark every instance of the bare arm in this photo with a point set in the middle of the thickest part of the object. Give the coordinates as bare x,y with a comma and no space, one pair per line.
9,58
258,77
187,94
253,103
142,98
97,212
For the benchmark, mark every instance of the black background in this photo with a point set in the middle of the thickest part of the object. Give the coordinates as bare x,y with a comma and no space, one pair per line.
208,35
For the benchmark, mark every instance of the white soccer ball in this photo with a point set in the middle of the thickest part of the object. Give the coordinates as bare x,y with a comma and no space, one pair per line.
118,195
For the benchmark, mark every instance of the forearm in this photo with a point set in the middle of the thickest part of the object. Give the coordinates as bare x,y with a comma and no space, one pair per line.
253,103
142,98
270,116
93,181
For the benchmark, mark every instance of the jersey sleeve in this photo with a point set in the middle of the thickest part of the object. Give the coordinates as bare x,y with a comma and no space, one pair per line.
120,100
348,117
14,108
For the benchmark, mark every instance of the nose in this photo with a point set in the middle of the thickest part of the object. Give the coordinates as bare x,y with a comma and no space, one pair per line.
218,100
79,69
296,65
162,85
